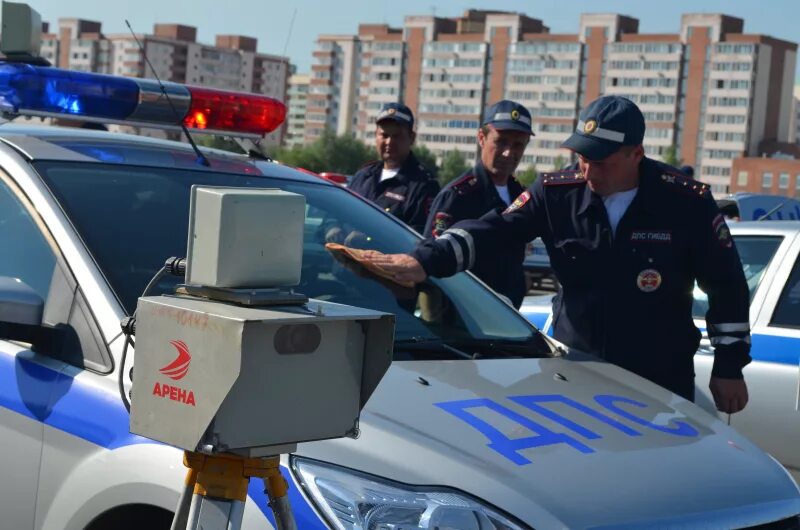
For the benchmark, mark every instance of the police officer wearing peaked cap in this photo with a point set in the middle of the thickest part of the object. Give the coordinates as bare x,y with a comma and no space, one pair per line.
627,237
490,186
397,182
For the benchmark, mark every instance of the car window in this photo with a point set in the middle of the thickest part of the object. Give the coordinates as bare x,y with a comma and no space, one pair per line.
755,252
132,218
787,312
26,253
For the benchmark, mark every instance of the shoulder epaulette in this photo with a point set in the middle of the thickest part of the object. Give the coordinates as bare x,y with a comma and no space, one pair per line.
680,182
465,184
567,176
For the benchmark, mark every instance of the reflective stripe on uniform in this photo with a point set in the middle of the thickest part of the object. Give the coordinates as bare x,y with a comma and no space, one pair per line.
724,340
459,254
729,328
467,238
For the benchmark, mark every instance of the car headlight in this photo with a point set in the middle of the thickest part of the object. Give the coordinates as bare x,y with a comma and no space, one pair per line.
354,501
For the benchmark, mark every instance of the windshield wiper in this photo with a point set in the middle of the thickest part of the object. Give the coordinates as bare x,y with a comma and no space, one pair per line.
429,344
482,348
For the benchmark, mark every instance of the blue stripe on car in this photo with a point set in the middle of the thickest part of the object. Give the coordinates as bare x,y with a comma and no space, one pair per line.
764,348
97,416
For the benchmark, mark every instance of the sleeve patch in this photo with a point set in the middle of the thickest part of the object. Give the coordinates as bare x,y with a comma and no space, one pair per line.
722,231
441,222
519,202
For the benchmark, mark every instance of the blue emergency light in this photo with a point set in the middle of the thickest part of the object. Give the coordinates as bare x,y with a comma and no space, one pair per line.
44,91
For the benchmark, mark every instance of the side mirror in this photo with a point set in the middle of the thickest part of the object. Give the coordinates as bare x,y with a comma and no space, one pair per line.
21,310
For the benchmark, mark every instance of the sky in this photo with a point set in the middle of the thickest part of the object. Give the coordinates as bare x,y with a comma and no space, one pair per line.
291,27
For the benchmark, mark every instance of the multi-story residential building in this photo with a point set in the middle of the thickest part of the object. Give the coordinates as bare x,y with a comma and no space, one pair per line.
776,171
296,109
794,129
710,92
233,63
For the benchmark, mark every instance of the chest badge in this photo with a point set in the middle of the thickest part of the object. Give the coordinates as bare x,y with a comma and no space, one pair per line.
648,280
395,196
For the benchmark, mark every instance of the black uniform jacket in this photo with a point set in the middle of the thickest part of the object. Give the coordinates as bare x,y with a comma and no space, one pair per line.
470,196
407,196
625,297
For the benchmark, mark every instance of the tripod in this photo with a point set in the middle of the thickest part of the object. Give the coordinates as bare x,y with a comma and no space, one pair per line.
216,490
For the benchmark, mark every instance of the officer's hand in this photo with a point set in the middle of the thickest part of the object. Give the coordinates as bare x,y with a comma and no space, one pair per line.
730,395
402,266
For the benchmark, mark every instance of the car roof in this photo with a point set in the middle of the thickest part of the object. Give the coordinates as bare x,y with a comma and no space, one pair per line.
765,227
39,143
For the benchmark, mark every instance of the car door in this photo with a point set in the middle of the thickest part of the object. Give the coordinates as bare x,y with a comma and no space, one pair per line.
25,381
771,419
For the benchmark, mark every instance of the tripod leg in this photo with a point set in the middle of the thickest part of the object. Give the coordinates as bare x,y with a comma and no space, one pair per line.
215,514
180,519
220,491
277,489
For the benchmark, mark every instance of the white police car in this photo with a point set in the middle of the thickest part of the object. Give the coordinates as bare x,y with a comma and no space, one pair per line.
481,423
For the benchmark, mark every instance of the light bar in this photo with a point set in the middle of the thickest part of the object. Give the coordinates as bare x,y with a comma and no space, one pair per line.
43,91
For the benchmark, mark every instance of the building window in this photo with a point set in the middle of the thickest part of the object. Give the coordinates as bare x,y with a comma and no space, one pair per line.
783,181
797,185
742,181
766,180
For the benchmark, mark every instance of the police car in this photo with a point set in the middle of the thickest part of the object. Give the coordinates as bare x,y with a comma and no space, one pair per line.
770,253
482,422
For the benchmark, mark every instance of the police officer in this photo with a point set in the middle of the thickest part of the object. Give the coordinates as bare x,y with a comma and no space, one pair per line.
490,186
627,238
397,182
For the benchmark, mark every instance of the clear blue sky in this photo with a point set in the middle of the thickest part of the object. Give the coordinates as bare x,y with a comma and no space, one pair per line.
269,20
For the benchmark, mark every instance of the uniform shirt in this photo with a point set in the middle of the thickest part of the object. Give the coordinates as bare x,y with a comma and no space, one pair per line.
470,196
627,298
616,205
407,195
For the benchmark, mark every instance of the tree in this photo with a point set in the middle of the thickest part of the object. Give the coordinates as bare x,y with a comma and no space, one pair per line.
426,158
527,177
337,154
453,164
670,157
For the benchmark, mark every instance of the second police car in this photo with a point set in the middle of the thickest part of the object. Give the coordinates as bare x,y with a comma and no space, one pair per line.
482,422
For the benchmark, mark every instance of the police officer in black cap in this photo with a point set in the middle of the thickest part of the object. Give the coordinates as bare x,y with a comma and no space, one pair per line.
490,186
397,182
627,237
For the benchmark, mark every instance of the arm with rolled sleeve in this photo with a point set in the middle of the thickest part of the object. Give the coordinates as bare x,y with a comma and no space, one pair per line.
719,274
455,249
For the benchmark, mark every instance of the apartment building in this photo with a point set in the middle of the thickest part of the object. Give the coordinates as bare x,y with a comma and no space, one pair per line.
709,92
232,63
297,96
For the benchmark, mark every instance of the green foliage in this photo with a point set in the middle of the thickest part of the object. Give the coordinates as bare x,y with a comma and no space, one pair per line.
426,158
338,154
527,177
453,164
670,157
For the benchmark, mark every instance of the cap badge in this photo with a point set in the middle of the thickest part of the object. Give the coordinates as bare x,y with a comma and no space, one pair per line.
515,114
590,126
391,111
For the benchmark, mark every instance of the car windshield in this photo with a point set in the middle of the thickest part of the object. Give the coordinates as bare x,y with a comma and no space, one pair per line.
132,218
755,252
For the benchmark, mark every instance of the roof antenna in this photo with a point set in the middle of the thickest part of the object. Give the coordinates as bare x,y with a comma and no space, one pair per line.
201,158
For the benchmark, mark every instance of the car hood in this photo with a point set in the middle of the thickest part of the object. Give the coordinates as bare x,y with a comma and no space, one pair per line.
563,442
